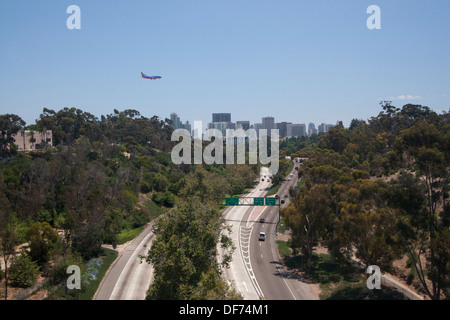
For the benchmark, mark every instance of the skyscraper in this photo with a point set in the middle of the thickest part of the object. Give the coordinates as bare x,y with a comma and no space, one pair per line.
298,130
188,127
176,122
268,123
245,125
311,129
285,129
221,117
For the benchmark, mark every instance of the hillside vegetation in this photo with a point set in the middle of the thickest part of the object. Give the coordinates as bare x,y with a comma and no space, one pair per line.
377,191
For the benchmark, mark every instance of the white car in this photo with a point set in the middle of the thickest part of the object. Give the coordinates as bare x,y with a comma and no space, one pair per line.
262,236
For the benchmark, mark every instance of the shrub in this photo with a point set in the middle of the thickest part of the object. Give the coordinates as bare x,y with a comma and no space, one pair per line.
23,271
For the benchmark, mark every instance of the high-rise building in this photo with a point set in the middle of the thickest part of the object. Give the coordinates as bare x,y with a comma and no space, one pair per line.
221,117
244,125
188,127
176,122
298,130
284,129
221,126
222,122
311,129
268,123
322,128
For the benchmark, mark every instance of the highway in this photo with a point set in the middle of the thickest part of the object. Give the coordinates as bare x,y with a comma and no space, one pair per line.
128,278
256,269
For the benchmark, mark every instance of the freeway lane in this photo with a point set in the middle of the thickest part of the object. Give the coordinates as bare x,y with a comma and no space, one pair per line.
240,272
256,269
128,278
272,278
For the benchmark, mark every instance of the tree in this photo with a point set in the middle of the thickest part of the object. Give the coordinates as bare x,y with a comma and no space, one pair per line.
8,232
308,217
87,240
41,238
184,253
23,270
10,124
427,150
335,139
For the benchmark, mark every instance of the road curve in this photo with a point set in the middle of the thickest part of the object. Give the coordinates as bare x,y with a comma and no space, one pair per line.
129,278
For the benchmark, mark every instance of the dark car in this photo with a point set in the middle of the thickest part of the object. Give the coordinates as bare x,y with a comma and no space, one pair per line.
261,220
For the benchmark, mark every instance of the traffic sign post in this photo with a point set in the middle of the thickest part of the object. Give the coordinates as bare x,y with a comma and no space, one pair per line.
255,201
231,201
252,201
258,201
271,201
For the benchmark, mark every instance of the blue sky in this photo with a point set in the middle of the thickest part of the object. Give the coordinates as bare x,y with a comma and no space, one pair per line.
296,60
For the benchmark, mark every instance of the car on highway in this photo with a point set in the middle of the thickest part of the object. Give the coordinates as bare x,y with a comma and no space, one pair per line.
262,236
282,201
261,220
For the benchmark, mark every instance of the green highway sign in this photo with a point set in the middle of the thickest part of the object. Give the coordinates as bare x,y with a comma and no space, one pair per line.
231,201
258,201
271,201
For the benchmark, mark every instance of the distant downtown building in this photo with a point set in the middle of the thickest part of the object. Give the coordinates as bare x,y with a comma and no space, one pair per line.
311,129
222,122
244,125
268,123
323,127
298,130
221,117
284,129
178,124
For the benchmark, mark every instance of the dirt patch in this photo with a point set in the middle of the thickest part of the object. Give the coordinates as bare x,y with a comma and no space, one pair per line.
400,272
282,237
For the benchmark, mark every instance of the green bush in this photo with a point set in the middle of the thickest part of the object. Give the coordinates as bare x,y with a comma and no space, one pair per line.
23,271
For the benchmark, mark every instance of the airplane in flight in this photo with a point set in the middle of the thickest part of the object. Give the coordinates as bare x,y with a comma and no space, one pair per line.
150,77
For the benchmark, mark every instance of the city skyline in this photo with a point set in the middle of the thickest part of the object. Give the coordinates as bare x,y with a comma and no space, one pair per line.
294,60
225,121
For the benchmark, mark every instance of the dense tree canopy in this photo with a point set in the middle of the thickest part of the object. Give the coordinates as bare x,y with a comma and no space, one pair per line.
379,190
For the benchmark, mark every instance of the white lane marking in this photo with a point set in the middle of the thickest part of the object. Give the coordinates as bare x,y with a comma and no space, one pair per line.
245,285
119,287
245,232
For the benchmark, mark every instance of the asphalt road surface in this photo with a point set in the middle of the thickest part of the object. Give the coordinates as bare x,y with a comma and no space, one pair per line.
129,278
256,269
